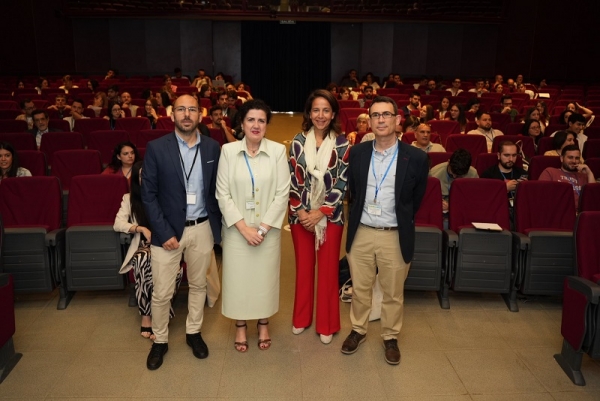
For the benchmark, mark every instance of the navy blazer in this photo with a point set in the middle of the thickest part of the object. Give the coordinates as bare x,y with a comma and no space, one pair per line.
412,169
163,187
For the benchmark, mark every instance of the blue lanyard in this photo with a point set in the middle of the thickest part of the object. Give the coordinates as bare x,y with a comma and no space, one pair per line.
378,187
512,193
251,175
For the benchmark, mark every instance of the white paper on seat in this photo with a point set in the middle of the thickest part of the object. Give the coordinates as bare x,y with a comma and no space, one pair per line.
487,226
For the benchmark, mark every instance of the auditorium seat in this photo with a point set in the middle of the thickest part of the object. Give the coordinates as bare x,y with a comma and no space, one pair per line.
217,135
589,200
537,164
55,141
62,125
13,126
9,114
148,135
444,128
474,144
165,123
591,148
8,357
34,161
524,143
483,258
87,125
133,126
594,164
105,142
349,104
93,249
346,114
9,105
580,326
67,164
438,157
19,140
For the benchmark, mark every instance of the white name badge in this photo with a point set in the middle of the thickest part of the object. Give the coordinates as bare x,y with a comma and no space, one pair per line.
191,198
374,209
250,204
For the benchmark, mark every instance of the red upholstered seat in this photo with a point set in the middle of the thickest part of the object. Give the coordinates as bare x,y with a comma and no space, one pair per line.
478,200
217,135
13,126
591,148
544,204
165,123
67,164
444,128
55,141
105,142
537,164
62,125
95,199
87,125
590,197
19,140
349,104
545,144
133,126
148,135
9,105
474,144
524,143
438,157
34,161
346,114
594,164
430,213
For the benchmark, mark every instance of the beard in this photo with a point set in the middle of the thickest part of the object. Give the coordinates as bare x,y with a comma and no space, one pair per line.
508,165
181,128
566,167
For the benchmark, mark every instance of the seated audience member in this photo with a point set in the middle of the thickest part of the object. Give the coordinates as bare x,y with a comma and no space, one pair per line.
169,88
426,113
533,114
60,105
506,169
67,84
113,94
201,79
442,111
9,163
333,88
100,102
455,89
350,81
576,124
163,100
410,124
124,157
511,86
150,111
431,86
362,126
457,113
577,108
533,129
76,113
543,109
27,107
397,81
228,111
423,140
572,171
522,89
497,81
345,94
92,85
459,166
205,92
560,139
110,74
42,84
126,103
499,89
414,104
216,116
479,88
473,105
484,127
178,74
519,79
114,113
241,87
370,81
131,219
368,95
40,122
506,102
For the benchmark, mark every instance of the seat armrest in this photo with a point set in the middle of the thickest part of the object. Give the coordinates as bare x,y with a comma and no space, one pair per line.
54,237
4,279
452,238
521,241
125,238
586,287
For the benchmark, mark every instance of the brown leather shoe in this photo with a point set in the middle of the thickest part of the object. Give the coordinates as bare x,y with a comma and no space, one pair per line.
352,342
392,353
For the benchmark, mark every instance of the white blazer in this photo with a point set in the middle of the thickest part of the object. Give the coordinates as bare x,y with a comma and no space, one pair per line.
123,225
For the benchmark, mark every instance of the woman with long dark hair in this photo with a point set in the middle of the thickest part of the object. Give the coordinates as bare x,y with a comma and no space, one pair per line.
457,113
124,156
9,163
114,113
131,219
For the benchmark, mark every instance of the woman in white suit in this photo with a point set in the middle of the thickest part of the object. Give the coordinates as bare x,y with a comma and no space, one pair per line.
252,190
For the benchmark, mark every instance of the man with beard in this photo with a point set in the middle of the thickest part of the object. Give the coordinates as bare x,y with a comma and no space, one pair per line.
216,116
178,192
572,171
484,127
414,104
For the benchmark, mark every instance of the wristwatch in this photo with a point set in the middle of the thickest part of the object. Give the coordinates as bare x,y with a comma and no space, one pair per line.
262,231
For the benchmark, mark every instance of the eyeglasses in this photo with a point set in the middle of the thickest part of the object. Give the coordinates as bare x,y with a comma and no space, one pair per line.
182,109
385,115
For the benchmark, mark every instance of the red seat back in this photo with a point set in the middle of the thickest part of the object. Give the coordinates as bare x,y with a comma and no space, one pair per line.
34,161
544,205
545,144
21,204
70,163
19,140
165,123
9,114
62,125
438,157
500,121
9,105
217,135
537,164
87,125
430,212
95,199
13,126
148,135
349,104
590,197
525,143
474,144
133,126
105,142
478,200
346,114
587,245
513,129
444,128
594,164
591,148
55,141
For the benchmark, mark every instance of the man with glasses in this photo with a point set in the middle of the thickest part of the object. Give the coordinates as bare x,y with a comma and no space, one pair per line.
507,103
479,87
40,122
455,89
178,192
387,180
27,107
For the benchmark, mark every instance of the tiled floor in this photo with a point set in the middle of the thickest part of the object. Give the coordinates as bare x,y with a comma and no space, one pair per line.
477,350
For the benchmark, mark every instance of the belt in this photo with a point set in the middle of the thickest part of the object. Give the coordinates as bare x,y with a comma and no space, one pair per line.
196,222
380,228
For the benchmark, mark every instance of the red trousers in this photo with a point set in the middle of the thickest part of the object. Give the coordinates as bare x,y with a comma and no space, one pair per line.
328,306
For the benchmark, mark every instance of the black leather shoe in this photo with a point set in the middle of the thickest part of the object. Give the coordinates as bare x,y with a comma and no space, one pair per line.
352,342
155,358
198,345
392,353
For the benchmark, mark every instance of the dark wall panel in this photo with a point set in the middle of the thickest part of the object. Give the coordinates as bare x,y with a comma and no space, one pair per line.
444,50
345,49
409,49
478,58
374,38
227,49
196,47
128,45
19,49
163,51
91,41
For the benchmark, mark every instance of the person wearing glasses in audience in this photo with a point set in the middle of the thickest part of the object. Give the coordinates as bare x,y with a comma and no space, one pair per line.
114,113
318,164
362,126
253,183
455,89
479,88
27,107
150,111
423,140
40,122
387,180
178,192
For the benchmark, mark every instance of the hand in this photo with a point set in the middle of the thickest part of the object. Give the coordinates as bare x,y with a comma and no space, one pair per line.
312,219
444,205
147,233
223,124
122,113
577,105
251,235
583,168
171,244
153,113
506,110
511,185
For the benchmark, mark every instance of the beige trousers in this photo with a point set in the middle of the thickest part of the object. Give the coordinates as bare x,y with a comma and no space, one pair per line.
371,250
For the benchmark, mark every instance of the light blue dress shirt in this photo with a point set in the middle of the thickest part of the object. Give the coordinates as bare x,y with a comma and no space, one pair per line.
386,196
195,184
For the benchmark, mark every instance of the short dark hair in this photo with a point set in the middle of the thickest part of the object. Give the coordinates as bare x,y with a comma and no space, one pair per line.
560,138
213,109
460,162
22,102
480,113
576,118
39,111
176,70
254,104
232,94
14,167
384,99
415,93
505,97
335,107
114,88
569,148
503,144
64,96
368,87
78,101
